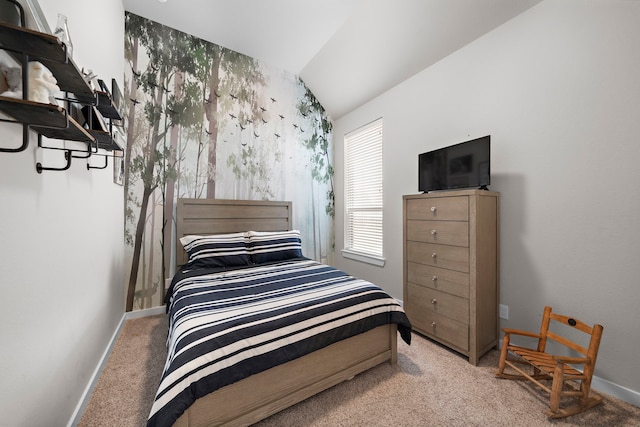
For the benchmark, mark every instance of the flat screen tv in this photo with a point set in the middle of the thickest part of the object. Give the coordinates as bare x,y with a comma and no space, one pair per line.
464,165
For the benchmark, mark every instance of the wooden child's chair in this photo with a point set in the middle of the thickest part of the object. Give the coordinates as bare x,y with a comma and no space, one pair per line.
566,380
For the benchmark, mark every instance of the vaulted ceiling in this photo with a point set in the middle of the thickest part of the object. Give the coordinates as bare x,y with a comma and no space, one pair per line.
346,51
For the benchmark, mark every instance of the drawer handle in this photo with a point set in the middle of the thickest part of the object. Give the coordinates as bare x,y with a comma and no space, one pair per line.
434,255
434,301
433,324
434,279
433,209
433,232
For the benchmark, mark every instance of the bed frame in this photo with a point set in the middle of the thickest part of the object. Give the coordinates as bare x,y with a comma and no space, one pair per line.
259,396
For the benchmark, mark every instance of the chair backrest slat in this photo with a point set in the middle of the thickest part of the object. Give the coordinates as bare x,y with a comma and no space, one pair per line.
562,340
594,331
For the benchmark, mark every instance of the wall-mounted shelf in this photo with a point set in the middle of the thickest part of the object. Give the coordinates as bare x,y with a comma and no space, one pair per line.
52,53
106,107
51,120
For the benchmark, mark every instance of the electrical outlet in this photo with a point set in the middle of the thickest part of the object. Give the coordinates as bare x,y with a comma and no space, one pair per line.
504,312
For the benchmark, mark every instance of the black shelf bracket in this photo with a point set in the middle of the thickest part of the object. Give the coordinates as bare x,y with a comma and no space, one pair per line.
106,163
67,156
25,139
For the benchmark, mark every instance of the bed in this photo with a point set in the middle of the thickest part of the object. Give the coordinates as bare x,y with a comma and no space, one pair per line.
243,271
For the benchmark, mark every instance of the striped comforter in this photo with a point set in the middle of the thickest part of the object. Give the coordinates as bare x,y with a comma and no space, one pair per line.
227,325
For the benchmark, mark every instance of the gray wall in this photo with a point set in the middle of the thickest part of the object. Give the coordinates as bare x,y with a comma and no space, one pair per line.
557,89
61,249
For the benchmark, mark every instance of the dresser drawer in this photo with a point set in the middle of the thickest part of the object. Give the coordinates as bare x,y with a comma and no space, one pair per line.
444,256
427,299
444,329
439,208
452,282
454,233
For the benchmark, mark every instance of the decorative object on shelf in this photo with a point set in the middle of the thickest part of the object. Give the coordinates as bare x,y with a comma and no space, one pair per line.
118,103
62,32
11,81
43,86
118,170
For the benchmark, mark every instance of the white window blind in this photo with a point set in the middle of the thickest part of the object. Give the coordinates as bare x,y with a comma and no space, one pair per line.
363,190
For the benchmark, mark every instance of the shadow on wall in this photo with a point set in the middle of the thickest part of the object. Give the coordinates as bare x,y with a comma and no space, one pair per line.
517,273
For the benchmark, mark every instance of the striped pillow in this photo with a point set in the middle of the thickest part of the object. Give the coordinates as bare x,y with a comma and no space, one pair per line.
267,246
218,250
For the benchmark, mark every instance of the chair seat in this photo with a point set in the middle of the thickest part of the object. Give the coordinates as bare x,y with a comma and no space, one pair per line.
544,361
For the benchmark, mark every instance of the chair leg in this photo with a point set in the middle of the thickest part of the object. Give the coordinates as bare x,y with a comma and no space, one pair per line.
503,355
556,387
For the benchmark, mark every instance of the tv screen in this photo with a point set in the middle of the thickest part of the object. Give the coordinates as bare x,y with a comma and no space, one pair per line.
464,165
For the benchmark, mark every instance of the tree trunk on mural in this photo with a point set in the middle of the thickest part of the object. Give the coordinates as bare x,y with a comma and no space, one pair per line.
130,120
149,185
147,294
167,224
212,116
137,246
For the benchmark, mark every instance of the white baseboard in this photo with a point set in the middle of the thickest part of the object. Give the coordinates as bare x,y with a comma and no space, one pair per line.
615,390
86,395
146,312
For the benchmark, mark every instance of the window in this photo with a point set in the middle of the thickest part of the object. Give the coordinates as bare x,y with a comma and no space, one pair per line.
363,194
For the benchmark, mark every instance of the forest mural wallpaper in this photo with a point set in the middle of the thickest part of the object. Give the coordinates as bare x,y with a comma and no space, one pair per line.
204,121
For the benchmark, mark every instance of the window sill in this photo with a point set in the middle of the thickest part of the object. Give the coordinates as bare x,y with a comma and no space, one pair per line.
358,256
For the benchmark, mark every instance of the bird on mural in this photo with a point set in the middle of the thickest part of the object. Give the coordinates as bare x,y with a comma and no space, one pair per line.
233,96
136,73
232,116
241,127
207,100
256,135
135,101
281,116
249,121
263,109
295,125
207,132
216,93
165,89
277,136
273,100
264,121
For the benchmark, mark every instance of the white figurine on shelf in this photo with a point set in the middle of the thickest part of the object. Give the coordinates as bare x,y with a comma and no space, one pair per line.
11,81
43,86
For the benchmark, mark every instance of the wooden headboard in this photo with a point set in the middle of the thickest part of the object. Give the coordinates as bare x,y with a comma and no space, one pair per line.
217,216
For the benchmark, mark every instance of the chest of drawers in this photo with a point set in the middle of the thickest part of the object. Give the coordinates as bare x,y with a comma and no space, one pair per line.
450,242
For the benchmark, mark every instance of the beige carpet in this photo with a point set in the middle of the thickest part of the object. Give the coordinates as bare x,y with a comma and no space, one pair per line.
429,386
